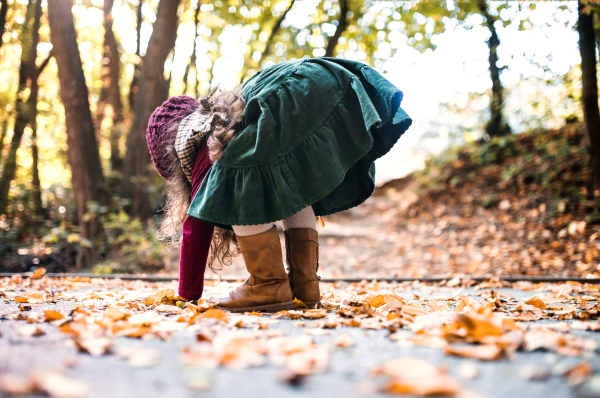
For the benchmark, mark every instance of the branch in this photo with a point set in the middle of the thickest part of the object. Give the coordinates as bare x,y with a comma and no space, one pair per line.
45,63
274,31
342,25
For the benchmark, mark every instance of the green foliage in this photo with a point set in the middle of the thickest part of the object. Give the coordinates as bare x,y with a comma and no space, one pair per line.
551,166
131,245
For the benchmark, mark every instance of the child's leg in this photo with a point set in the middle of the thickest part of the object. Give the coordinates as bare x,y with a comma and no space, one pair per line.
305,218
248,230
302,250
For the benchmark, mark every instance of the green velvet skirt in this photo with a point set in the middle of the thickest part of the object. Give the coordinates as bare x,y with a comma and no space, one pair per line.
310,134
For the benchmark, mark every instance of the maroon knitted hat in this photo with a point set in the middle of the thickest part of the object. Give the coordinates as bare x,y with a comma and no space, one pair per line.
159,138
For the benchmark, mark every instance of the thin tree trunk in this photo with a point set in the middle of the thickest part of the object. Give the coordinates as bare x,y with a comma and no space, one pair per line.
192,63
110,93
496,125
342,26
589,91
9,168
3,10
33,99
152,92
3,136
170,79
133,90
83,154
274,32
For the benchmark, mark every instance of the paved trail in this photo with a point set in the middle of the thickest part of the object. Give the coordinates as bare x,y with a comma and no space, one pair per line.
348,373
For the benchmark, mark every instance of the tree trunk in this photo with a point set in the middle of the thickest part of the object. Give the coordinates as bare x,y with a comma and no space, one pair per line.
496,125
9,168
342,26
133,90
32,102
83,154
152,92
33,98
589,89
3,11
110,93
274,32
192,63
3,136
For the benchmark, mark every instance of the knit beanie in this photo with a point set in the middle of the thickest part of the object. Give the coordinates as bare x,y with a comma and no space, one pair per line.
159,138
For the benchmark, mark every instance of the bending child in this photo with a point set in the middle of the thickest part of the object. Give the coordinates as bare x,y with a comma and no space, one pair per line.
299,140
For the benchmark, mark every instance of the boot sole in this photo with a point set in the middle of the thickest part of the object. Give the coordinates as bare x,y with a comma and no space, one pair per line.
311,304
288,305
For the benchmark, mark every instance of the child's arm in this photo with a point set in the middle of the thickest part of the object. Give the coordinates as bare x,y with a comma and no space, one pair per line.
196,240
195,244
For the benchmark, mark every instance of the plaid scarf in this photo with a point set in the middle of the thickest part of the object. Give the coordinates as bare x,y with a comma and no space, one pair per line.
192,130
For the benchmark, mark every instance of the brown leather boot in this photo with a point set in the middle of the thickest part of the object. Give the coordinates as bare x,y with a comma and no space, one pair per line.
302,249
267,289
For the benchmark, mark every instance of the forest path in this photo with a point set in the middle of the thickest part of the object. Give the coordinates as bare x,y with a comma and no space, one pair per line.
173,361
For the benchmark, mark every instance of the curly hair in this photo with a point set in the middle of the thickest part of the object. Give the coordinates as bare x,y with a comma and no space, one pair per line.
225,109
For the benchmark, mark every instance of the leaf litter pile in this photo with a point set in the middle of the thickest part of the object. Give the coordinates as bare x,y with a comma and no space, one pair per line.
476,321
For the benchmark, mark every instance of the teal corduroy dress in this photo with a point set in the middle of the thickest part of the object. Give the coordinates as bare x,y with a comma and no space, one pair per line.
311,131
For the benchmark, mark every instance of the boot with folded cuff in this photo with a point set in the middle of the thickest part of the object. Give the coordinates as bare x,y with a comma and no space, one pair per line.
268,288
302,250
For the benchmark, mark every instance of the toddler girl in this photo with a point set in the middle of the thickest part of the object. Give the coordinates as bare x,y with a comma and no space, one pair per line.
298,140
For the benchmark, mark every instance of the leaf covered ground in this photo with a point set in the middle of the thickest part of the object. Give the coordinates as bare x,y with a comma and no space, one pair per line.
393,338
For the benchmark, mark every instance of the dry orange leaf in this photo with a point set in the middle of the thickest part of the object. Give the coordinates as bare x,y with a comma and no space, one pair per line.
115,314
299,304
31,330
215,313
95,346
417,377
579,373
315,314
38,273
343,340
438,305
536,302
52,315
484,352
31,298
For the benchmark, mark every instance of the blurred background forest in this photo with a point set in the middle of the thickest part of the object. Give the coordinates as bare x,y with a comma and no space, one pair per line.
502,161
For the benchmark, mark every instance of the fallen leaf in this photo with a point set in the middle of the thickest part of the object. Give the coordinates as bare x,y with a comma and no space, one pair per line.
536,302
343,340
484,352
579,373
438,305
316,332
31,298
417,377
139,357
299,304
95,346
30,330
52,315
56,385
38,273
16,385
115,314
